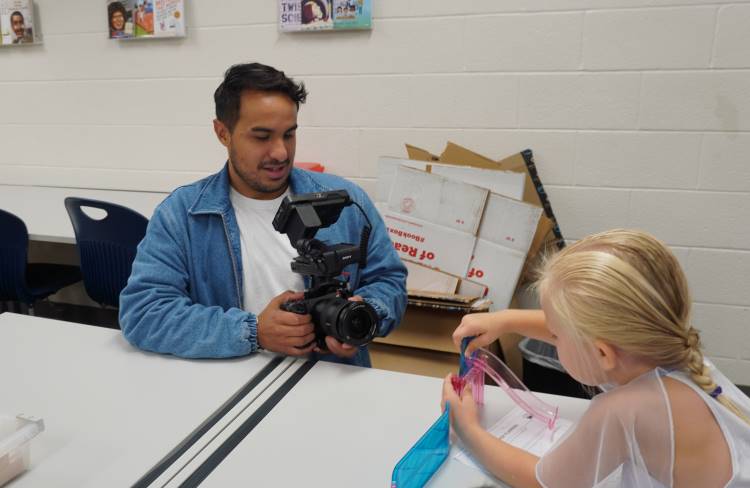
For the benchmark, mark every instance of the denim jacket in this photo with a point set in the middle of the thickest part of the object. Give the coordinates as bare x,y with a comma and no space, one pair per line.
184,295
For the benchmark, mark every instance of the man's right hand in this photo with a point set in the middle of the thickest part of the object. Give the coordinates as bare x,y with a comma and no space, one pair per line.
285,332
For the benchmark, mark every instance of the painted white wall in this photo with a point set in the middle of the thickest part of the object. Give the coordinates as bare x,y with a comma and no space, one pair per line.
638,111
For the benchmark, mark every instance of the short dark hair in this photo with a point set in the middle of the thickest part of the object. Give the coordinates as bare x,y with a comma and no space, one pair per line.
115,7
252,76
17,12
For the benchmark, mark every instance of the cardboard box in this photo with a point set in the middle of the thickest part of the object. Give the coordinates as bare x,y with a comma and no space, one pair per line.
422,344
387,168
507,183
422,205
427,243
425,328
413,360
548,232
423,278
429,324
497,267
506,232
471,288
509,223
438,200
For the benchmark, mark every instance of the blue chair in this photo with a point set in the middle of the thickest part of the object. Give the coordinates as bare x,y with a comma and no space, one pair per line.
106,247
21,281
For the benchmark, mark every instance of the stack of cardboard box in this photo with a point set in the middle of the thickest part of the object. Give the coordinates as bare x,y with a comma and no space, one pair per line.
467,228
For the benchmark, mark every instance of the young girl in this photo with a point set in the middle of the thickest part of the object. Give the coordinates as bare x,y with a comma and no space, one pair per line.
617,307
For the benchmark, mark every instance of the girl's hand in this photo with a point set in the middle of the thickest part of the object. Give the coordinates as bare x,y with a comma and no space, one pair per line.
486,327
464,414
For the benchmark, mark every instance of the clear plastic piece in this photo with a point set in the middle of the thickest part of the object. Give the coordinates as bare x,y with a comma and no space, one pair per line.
15,435
421,462
482,362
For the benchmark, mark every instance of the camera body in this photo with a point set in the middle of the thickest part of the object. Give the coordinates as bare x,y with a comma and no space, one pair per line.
333,314
327,299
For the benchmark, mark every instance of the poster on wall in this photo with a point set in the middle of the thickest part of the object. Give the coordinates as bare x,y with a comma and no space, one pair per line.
143,19
17,21
324,15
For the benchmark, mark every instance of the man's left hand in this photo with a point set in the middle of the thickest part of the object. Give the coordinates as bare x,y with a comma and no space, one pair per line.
339,348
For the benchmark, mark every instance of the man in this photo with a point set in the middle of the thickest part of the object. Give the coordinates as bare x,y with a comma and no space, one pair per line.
211,273
18,25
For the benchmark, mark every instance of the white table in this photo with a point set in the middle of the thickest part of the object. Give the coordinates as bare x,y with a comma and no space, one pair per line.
111,411
343,426
42,208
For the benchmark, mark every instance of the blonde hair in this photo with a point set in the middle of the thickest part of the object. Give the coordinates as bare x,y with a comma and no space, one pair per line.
626,287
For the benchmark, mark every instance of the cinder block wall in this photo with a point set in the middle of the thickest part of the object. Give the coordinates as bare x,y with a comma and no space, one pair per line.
638,111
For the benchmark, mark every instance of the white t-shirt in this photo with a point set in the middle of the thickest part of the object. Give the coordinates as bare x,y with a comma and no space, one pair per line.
266,254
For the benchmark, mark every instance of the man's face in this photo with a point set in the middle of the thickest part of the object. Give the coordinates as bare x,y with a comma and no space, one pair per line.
261,147
16,22
118,21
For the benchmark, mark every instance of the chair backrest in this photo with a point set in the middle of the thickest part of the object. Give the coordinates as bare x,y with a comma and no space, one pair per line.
14,245
106,247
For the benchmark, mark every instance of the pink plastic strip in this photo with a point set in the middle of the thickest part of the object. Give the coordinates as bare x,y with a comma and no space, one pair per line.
484,362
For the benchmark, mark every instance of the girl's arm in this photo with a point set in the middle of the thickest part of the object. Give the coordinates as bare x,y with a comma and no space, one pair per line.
508,463
487,327
514,466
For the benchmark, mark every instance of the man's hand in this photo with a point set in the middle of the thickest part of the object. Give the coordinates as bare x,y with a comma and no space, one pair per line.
285,332
339,348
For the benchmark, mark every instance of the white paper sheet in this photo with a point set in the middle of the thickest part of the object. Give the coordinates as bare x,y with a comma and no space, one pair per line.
519,429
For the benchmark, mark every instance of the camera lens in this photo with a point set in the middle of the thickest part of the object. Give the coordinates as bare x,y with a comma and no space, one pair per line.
357,323
354,323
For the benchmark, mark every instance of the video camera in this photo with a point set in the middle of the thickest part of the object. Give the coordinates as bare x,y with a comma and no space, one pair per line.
326,300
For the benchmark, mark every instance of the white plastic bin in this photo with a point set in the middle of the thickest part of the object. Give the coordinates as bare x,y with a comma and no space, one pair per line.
15,436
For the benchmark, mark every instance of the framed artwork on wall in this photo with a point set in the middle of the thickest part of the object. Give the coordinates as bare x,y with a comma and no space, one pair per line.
324,15
145,19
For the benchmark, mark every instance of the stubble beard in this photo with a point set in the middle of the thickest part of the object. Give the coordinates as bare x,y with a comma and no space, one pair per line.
253,183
